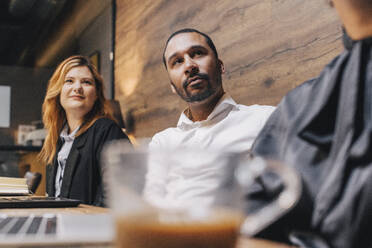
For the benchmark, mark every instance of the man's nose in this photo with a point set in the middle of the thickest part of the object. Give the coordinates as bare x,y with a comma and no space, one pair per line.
191,66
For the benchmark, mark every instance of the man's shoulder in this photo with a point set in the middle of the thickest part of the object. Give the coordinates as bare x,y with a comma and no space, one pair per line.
165,137
256,109
166,132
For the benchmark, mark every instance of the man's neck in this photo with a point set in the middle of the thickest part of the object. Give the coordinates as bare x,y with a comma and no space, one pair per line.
201,111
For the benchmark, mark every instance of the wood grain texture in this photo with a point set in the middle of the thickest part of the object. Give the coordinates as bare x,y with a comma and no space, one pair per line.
268,47
259,243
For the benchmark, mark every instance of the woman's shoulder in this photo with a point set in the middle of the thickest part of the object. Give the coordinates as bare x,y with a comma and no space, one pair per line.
109,129
103,124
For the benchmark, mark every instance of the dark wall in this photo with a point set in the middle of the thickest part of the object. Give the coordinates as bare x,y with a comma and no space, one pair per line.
97,37
28,87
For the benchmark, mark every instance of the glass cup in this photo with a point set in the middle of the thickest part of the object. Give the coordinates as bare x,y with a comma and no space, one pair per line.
174,198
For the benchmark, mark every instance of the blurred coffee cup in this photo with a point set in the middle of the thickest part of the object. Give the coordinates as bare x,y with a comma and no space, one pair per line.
183,197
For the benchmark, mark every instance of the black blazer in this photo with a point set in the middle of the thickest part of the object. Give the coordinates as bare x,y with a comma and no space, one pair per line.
82,177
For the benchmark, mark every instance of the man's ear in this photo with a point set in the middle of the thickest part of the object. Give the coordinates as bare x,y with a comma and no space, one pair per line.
221,66
173,89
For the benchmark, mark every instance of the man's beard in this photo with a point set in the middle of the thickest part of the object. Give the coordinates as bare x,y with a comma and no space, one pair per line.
188,97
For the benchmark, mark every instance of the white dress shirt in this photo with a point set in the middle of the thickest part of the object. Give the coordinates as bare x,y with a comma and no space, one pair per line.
68,140
231,127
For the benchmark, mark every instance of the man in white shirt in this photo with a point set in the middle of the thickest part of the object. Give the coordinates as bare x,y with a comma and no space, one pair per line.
213,120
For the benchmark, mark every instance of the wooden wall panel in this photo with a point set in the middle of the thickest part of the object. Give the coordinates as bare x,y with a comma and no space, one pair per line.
268,47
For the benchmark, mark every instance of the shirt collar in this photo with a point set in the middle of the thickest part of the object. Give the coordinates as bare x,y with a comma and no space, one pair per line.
68,137
224,104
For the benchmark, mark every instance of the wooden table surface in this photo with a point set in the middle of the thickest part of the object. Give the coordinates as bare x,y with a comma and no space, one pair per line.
259,243
87,209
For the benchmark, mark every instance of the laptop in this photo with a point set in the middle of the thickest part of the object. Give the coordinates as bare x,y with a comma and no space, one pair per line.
56,229
36,202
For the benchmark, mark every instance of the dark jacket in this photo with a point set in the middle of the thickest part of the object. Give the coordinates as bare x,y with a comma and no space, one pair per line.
323,129
82,177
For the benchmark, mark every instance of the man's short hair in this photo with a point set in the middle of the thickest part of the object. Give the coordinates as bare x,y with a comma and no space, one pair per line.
190,30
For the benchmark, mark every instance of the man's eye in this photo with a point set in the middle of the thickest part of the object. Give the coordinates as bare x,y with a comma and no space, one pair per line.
198,53
177,61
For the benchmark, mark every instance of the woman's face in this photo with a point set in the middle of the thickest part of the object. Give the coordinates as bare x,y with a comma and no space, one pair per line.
78,93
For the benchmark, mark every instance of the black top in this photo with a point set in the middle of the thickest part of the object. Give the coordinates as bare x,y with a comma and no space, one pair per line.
323,128
82,177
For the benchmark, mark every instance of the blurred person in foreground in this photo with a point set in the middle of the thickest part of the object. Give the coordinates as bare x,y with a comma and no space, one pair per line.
323,128
79,122
212,120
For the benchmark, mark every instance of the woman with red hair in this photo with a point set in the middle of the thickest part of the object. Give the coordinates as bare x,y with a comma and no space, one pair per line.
78,120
